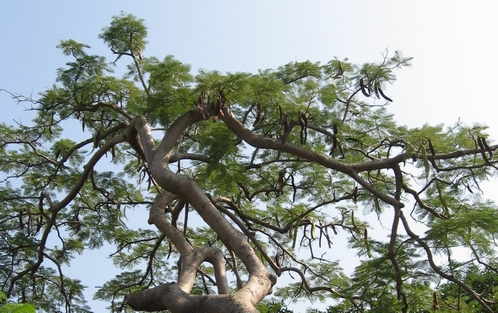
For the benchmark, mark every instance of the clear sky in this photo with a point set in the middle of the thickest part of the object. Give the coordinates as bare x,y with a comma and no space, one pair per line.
453,43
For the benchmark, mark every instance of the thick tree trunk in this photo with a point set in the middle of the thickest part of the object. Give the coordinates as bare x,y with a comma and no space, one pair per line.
175,296
169,296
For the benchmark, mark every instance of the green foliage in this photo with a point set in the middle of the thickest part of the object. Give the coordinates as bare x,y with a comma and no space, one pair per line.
322,148
114,290
14,307
272,307
126,34
483,280
168,90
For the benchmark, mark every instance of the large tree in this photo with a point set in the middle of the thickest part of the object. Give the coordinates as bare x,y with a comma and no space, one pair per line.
255,174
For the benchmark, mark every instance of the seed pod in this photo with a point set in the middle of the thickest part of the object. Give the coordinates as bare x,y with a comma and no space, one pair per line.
383,95
364,88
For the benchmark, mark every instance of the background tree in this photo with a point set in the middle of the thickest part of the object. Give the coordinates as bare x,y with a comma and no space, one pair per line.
256,174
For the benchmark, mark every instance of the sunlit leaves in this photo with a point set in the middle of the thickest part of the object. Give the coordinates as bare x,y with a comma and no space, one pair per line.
337,69
272,307
51,296
328,94
83,67
100,210
330,149
71,47
169,93
374,281
293,72
17,308
126,34
483,280
472,224
114,290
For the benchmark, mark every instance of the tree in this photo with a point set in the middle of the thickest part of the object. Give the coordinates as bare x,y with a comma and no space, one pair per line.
14,307
480,277
255,174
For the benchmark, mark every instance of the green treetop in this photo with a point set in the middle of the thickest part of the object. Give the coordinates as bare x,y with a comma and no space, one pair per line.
256,174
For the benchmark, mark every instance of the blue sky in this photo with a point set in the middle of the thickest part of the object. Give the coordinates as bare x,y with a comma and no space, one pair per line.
453,44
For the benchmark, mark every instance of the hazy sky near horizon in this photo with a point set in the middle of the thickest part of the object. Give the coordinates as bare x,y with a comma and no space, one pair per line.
453,43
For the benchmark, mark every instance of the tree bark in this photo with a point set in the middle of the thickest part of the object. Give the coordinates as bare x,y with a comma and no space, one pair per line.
169,296
174,296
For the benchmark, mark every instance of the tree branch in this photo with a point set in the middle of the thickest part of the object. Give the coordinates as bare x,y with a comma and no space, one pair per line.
351,170
260,280
438,270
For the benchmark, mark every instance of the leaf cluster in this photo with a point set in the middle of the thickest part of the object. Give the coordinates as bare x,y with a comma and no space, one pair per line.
313,146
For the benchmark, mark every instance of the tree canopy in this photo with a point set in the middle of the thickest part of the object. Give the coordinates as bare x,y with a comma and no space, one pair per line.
255,174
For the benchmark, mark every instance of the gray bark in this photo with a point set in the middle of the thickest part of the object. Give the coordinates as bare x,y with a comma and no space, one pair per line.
175,296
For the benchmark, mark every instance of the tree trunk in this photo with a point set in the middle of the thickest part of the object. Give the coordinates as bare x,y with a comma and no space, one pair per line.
175,296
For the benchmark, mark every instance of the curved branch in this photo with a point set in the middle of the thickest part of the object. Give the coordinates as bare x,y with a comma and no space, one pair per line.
139,136
156,217
422,204
56,208
438,270
190,258
169,296
314,289
190,156
392,244
248,233
260,280
348,103
351,170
